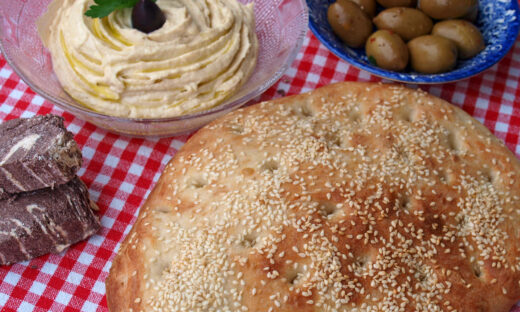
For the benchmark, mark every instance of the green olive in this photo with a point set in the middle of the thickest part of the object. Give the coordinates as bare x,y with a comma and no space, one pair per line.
349,22
397,3
367,6
432,54
387,50
406,22
472,15
445,9
465,35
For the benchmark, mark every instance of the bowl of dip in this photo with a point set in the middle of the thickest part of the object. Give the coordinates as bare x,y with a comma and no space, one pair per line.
168,82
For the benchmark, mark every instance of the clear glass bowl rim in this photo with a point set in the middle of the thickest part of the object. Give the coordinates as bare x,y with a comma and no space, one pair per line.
78,109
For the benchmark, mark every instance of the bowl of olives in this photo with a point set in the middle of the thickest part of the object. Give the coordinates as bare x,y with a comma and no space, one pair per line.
417,41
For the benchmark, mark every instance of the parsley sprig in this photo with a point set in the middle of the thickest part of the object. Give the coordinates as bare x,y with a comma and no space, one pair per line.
103,8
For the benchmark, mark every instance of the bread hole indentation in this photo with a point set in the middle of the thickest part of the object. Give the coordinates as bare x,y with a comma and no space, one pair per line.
303,110
159,268
360,264
483,306
354,116
333,139
443,176
420,272
293,277
477,271
327,210
197,182
248,171
462,221
408,115
453,142
421,276
403,154
270,165
163,209
248,241
486,175
405,203
236,128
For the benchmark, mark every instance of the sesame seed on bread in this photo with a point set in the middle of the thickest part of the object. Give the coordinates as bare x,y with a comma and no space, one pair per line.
353,197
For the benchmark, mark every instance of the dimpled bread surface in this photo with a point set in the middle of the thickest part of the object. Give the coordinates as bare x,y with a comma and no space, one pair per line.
354,197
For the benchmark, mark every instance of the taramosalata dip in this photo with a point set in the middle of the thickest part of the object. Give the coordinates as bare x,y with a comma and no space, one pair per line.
201,56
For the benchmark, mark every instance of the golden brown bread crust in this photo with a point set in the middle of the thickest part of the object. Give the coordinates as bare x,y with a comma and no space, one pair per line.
354,197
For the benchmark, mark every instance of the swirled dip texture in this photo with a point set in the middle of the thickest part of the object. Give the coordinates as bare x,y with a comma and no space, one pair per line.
202,55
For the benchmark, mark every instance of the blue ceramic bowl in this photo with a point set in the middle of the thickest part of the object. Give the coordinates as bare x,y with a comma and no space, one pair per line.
499,21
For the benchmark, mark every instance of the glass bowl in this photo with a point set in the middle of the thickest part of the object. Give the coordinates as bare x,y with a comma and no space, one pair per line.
499,22
281,26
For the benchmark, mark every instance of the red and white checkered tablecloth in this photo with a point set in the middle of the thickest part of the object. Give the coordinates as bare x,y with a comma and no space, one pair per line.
121,171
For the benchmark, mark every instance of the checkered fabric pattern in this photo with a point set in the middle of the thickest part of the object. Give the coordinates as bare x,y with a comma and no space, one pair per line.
121,171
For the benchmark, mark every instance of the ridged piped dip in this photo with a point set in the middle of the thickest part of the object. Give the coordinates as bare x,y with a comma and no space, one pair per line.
200,57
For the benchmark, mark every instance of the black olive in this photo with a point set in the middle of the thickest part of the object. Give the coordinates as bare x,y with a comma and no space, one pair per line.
147,16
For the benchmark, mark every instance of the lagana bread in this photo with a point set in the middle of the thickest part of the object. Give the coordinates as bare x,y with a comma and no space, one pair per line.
354,197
